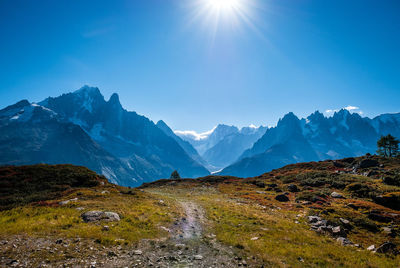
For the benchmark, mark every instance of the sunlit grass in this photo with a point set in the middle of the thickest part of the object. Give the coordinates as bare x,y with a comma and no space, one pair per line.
141,217
281,241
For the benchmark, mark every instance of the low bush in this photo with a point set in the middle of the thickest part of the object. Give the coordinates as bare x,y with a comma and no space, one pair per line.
365,223
390,200
392,180
361,190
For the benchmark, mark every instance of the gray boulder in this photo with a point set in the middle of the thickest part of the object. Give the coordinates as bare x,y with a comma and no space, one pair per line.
336,195
389,231
338,231
92,216
313,219
344,241
344,221
320,223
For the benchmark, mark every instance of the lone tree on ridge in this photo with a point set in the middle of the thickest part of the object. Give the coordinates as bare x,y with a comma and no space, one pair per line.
175,175
388,146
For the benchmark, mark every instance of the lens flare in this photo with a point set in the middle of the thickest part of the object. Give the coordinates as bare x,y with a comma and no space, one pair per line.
223,5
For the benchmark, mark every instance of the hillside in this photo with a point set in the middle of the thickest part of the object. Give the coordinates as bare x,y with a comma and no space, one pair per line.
317,214
29,184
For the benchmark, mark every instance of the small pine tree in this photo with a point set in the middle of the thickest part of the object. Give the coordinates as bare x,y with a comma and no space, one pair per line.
175,175
388,146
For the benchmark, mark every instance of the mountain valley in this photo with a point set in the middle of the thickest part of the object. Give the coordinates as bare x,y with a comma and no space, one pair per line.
316,214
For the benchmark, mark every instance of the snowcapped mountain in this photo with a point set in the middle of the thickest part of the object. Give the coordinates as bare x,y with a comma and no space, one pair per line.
137,146
83,128
204,141
314,138
223,144
31,134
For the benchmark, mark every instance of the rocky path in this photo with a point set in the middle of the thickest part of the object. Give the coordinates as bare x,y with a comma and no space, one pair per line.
190,244
190,227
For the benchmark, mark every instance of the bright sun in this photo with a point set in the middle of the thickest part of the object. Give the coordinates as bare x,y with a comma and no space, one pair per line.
224,14
223,5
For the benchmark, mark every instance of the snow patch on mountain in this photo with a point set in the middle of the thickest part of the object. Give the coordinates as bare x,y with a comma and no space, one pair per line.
191,134
26,113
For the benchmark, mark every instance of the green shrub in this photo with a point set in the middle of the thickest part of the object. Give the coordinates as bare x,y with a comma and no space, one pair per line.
365,223
360,190
310,196
390,200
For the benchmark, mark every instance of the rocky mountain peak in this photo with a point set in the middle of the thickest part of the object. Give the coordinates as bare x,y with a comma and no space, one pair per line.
114,101
288,119
164,127
316,116
341,114
87,91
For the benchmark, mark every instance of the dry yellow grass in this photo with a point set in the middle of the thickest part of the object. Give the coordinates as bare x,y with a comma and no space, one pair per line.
141,217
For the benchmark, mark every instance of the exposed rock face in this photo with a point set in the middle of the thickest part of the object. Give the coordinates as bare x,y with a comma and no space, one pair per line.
320,225
127,148
92,216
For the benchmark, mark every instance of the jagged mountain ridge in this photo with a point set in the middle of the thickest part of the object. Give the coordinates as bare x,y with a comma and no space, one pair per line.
228,149
224,144
31,134
314,138
207,140
189,149
139,147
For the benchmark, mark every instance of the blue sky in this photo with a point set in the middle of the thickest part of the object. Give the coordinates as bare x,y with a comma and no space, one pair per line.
167,60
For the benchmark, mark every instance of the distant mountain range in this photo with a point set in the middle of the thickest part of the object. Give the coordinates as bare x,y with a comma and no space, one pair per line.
314,138
224,144
82,128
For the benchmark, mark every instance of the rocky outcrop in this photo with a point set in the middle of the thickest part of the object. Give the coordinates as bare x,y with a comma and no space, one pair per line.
336,195
92,216
322,226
